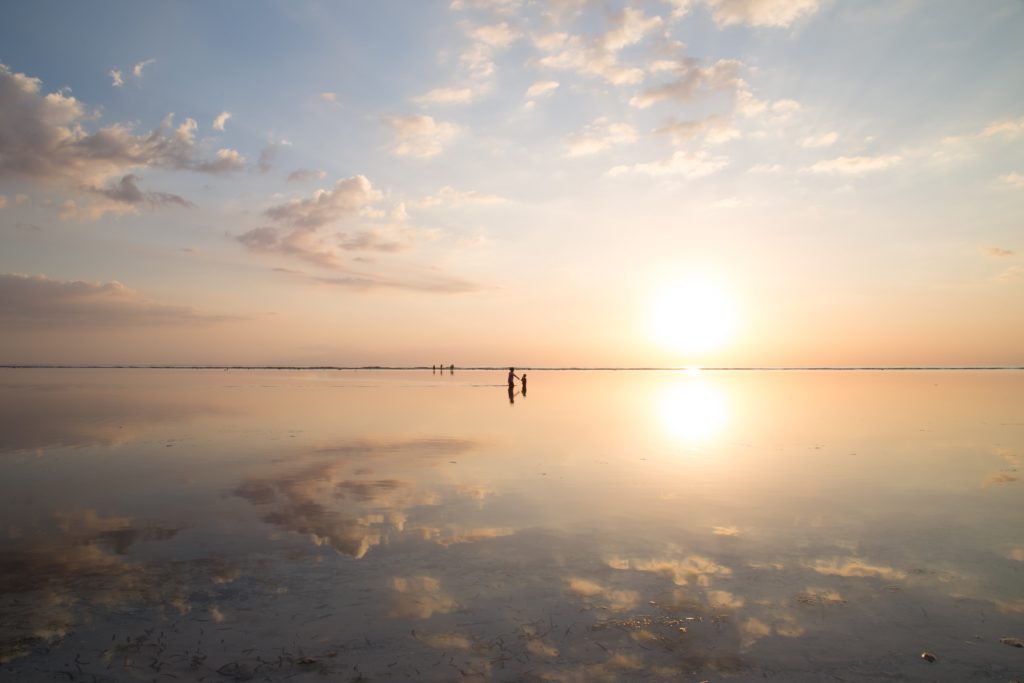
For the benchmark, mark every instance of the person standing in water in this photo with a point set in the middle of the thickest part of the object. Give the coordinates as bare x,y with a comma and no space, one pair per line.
523,381
512,377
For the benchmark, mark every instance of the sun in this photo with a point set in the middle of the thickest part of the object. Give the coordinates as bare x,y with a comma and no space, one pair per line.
694,316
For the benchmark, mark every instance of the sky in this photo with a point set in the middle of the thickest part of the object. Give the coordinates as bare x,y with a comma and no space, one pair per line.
513,182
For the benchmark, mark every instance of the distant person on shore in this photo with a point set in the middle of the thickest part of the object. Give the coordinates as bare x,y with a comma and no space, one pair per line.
451,369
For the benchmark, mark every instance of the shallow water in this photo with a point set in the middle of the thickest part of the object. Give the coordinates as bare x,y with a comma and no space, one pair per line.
393,525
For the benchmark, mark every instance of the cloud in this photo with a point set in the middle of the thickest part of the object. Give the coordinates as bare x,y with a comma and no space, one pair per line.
598,136
682,163
297,224
3,201
36,301
303,174
43,137
222,118
447,96
691,81
856,165
761,12
419,597
817,141
714,130
597,55
346,199
1011,275
449,196
420,136
501,7
997,252
1011,128
1013,179
765,168
137,69
269,155
116,77
541,89
122,196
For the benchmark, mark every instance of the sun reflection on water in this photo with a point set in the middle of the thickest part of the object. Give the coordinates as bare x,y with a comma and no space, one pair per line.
692,409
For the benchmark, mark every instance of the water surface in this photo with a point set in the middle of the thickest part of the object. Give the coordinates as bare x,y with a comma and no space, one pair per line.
399,525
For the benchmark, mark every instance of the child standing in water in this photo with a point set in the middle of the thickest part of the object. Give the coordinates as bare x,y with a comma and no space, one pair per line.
523,380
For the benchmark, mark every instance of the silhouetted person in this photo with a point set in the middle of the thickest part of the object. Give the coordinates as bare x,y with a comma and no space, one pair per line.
523,380
451,369
512,377
433,369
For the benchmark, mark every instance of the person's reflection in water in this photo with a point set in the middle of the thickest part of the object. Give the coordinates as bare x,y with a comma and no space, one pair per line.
511,394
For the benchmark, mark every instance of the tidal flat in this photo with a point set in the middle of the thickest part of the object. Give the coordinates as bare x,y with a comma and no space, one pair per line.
160,524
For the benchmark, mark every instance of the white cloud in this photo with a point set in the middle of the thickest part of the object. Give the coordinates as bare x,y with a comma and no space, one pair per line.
116,77
449,196
447,96
44,137
765,168
599,136
495,35
682,163
856,165
761,12
541,88
420,136
330,98
597,56
1011,128
222,118
1013,179
817,141
137,69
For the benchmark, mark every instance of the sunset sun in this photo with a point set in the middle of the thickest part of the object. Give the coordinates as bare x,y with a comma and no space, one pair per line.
694,316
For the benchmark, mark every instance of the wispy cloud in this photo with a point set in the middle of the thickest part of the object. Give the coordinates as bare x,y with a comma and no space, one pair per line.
856,165
139,66
599,136
682,163
449,196
818,141
712,130
1013,179
997,252
761,12
419,135
598,55
33,301
691,80
116,77
221,120
304,174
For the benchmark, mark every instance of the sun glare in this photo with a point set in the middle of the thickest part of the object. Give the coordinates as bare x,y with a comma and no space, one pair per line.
692,409
692,317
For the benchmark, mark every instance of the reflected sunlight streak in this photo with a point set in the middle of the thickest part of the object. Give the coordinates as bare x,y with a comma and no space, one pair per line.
692,409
